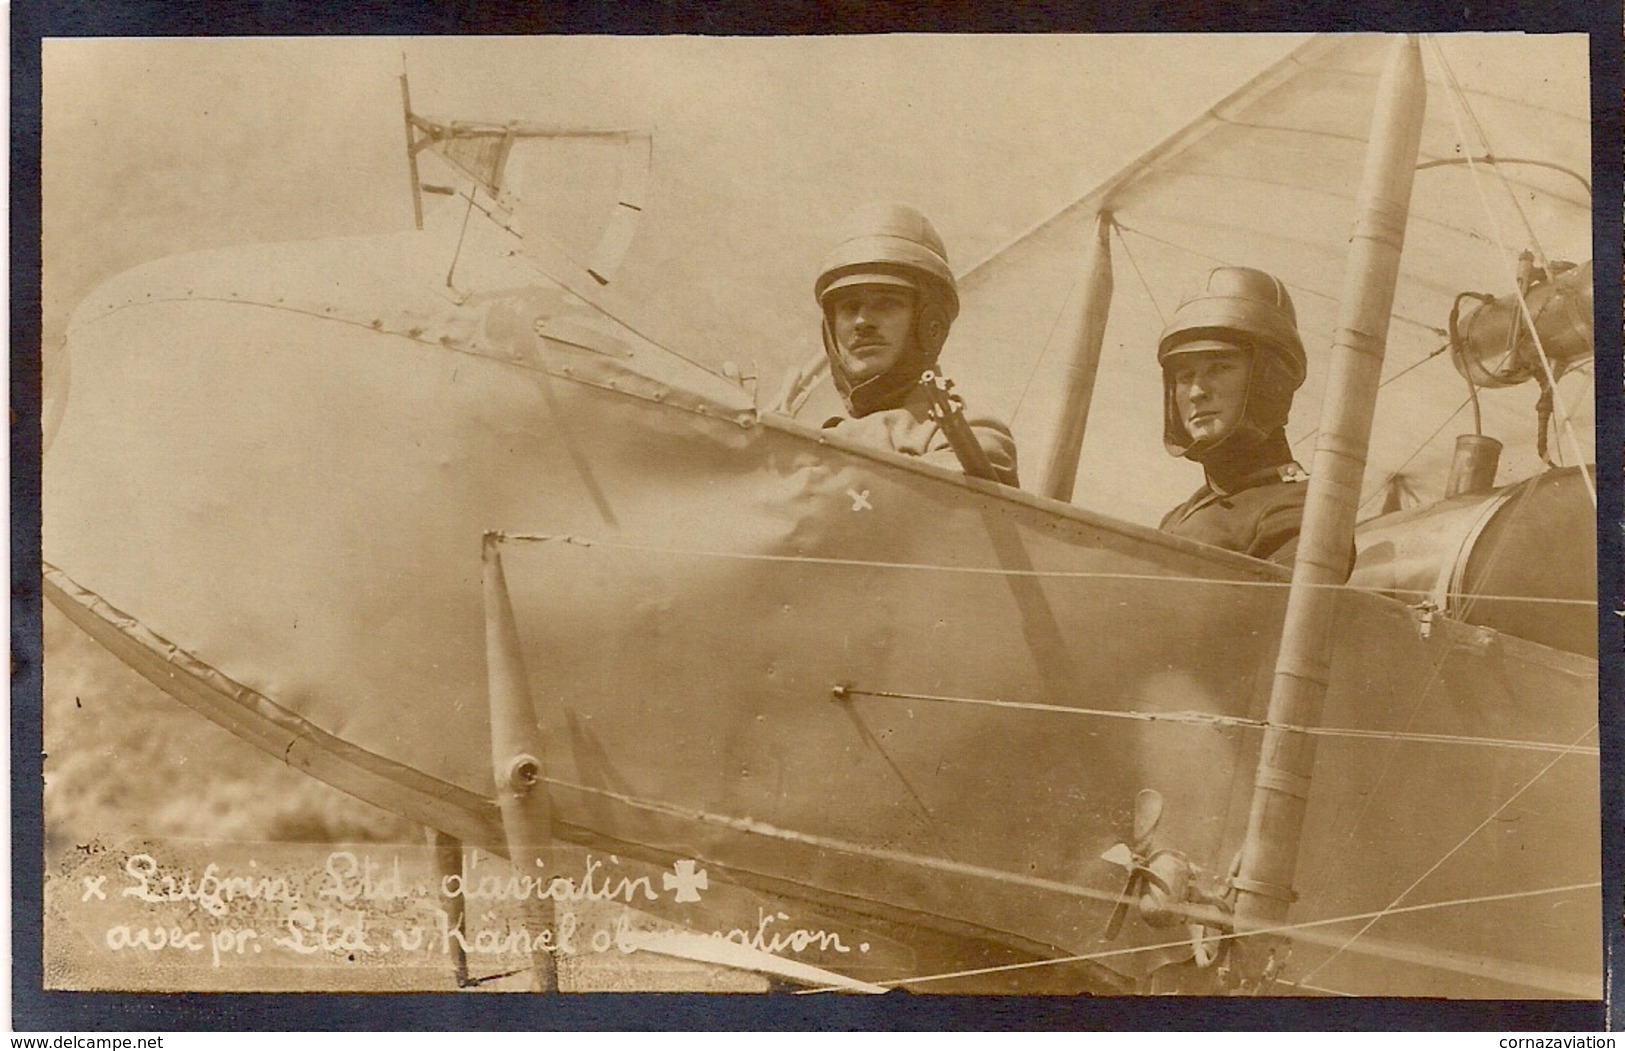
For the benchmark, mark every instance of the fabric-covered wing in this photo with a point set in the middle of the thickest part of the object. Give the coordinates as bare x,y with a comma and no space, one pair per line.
1267,178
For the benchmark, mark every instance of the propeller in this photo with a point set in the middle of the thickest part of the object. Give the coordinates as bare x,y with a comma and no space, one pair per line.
1162,885
1135,858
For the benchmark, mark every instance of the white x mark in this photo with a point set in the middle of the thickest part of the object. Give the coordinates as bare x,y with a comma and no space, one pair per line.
860,501
93,886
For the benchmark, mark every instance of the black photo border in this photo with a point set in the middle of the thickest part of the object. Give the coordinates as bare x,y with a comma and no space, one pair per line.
35,1008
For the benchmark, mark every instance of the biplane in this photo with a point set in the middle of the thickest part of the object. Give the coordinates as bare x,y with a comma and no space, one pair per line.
434,517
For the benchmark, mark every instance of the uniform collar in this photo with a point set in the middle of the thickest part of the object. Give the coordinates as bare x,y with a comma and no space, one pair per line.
1291,471
1237,465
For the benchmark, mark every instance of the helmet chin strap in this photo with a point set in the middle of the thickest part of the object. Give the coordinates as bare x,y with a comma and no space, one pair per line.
1240,440
1264,410
891,388
1236,443
1235,461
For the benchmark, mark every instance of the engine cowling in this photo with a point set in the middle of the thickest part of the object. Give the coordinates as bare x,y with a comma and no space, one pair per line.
1494,559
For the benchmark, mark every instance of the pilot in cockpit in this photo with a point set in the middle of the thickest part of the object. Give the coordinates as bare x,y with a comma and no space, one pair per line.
888,299
1231,361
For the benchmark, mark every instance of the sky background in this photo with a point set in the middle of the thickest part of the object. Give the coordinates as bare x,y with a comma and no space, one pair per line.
158,146
760,147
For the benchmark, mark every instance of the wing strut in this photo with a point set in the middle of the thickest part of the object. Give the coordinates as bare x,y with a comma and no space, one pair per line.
516,754
1269,855
480,151
412,154
1084,339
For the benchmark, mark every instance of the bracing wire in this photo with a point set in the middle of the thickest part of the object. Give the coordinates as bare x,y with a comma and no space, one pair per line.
457,252
1393,906
1304,289
1400,470
592,300
1145,716
1049,341
1532,162
1412,367
998,571
1208,719
752,826
1283,929
1422,695
1149,295
1050,338
1489,157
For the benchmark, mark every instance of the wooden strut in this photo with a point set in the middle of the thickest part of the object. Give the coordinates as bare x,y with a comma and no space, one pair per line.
516,758
1269,854
1084,339
448,861
412,155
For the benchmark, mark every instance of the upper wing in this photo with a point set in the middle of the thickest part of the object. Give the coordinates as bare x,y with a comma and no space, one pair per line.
1268,178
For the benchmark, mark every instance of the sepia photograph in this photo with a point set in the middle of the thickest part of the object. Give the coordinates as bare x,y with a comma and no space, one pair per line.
1047,515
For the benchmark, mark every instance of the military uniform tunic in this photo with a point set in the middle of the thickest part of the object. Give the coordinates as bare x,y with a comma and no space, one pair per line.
909,429
1260,517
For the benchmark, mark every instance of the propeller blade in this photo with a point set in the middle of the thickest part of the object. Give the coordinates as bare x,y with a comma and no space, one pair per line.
1131,891
1115,924
1120,854
1147,815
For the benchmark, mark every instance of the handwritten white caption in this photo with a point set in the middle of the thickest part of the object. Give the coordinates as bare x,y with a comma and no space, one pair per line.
363,909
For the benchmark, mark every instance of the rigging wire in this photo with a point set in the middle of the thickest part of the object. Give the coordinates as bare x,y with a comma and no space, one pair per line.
998,571
1306,290
1393,906
927,817
1149,295
821,560
1469,602
1400,470
1412,367
1455,93
1049,339
753,826
1414,221
590,299
457,252
1049,342
1123,229
1399,735
1550,382
1286,929
1194,718
1313,988
1415,708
